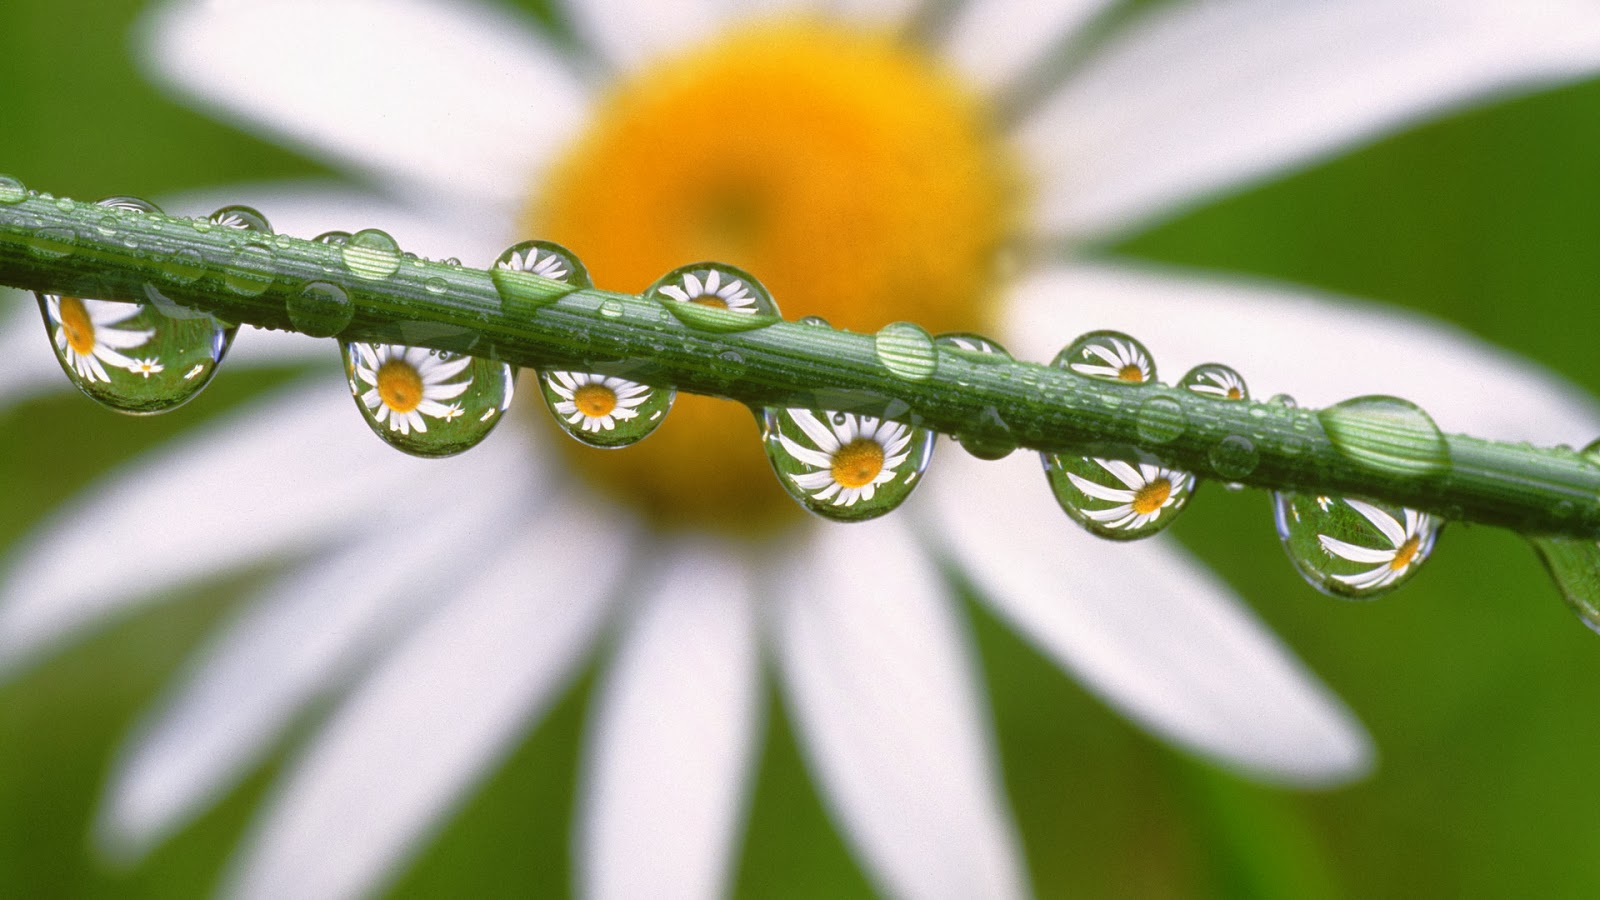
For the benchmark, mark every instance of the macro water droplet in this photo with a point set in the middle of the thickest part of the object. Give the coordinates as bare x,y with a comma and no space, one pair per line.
243,218
1353,548
611,309
12,190
427,402
604,411
537,273
1389,434
335,238
1215,380
1235,456
184,266
1161,420
320,309
1117,499
996,443
136,358
844,466
813,320
371,254
249,270
906,350
714,297
435,285
1108,355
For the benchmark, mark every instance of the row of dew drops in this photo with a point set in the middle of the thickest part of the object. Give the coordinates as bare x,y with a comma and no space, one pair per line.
144,358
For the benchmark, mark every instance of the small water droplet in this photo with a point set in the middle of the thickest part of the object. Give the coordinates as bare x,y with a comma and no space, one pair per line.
1110,356
906,350
425,403
435,285
335,238
242,218
1235,456
12,191
814,320
1353,548
1215,380
996,443
604,411
371,254
537,273
185,266
1117,499
249,271
1389,434
611,309
844,466
320,309
1283,400
714,297
1161,420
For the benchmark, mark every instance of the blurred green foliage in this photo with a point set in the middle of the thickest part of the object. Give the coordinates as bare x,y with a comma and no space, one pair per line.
1479,687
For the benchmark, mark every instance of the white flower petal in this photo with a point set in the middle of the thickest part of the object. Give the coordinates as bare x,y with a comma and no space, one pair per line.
885,696
306,637
673,733
414,92
437,714
995,41
630,33
1318,347
281,477
1199,97
1354,552
31,367
1145,627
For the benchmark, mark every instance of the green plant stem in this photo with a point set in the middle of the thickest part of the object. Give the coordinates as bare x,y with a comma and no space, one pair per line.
64,247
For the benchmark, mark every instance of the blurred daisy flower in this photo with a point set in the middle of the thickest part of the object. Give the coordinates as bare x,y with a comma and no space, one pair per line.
952,164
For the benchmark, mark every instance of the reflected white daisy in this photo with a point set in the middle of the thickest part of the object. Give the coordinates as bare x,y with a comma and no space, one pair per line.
596,402
1219,382
1164,109
1409,545
709,288
1118,359
549,265
401,385
85,338
146,367
1148,490
850,456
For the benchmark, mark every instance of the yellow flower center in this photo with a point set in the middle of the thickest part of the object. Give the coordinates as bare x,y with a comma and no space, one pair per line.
399,386
1150,498
1406,553
847,171
77,326
1131,372
857,463
594,400
1235,394
711,300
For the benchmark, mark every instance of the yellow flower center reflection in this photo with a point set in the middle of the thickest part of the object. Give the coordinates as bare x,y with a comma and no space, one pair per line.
847,171
594,400
77,326
1150,498
1405,553
857,463
399,386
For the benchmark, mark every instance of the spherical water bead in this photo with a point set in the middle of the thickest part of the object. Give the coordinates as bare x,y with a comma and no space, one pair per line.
335,238
12,191
532,274
1117,499
134,357
427,402
371,254
843,466
906,350
241,217
1353,548
1108,355
714,297
320,309
1388,434
1215,380
250,269
989,446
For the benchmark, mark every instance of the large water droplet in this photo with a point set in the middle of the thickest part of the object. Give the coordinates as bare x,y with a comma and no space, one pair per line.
1161,420
998,443
1117,499
427,402
249,271
1353,548
1215,380
370,254
906,350
605,411
134,357
1235,456
715,297
12,191
1386,433
320,309
537,273
1108,355
844,466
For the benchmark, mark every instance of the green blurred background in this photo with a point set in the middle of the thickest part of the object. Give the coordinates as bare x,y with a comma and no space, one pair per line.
1481,691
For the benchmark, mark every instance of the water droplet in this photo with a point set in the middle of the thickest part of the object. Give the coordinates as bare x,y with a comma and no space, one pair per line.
435,285
537,273
242,218
1235,456
714,297
1353,548
130,356
1283,400
611,309
184,266
427,402
335,238
249,269
51,243
1574,565
998,443
1386,433
604,411
1161,420
12,191
814,320
1108,355
906,350
844,466
371,254
1117,499
1215,380
320,309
